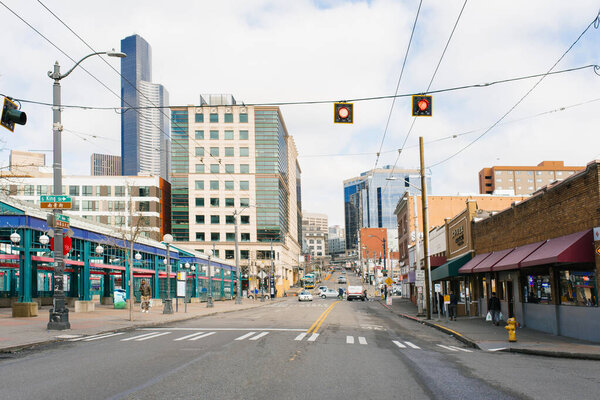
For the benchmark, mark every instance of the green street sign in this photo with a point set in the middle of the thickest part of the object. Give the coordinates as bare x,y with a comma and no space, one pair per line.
62,221
55,202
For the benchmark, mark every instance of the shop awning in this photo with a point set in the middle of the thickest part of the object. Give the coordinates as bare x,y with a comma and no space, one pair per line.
487,264
450,268
468,267
436,261
513,260
573,248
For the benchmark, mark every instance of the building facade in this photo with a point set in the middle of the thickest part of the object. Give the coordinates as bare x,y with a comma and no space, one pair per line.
370,199
316,232
105,165
145,130
233,160
521,180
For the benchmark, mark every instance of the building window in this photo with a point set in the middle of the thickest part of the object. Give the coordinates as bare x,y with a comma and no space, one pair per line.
229,202
229,219
229,185
311,241
245,254
199,152
529,172
578,288
144,191
538,172
86,190
215,237
244,185
199,185
200,236
228,253
245,219
199,168
199,118
498,179
243,135
89,205
230,237
214,219
214,151
119,220
199,201
214,185
538,289
559,173
229,169
214,135
144,206
228,135
199,135
199,219
214,168
530,188
73,190
245,237
107,190
244,202
244,152
214,202
214,117
498,172
244,168
538,180
228,151
228,117
243,117
517,172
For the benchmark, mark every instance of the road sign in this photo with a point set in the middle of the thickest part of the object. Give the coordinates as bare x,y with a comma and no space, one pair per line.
438,287
389,281
598,250
420,275
62,221
262,275
55,202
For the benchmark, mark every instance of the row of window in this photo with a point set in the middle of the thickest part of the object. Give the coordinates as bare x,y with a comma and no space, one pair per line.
229,254
229,202
85,190
229,220
227,151
216,135
227,118
227,185
558,173
216,237
216,169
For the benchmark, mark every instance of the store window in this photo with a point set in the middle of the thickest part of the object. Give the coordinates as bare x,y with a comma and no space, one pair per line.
538,289
578,288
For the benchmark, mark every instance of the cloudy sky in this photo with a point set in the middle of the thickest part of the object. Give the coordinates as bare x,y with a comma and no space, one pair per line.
265,51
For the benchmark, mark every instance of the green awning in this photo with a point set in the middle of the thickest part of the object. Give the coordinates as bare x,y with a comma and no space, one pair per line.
450,268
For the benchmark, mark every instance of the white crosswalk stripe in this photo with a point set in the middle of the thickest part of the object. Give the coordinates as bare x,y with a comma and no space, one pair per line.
203,336
139,336
349,339
446,347
313,337
259,336
152,337
362,340
397,343
300,336
188,336
414,346
99,336
245,336
103,337
454,348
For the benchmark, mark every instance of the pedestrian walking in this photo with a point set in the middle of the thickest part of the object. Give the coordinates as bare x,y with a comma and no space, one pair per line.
453,305
145,294
365,294
494,308
441,303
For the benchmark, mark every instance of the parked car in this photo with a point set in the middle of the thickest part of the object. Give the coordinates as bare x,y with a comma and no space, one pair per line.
305,296
328,293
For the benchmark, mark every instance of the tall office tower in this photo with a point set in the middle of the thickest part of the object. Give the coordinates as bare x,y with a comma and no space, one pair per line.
145,131
230,158
105,165
370,199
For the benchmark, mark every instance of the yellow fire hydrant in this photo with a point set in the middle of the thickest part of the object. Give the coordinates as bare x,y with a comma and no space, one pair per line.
511,327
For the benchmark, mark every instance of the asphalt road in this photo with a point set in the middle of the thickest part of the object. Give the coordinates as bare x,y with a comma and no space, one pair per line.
322,349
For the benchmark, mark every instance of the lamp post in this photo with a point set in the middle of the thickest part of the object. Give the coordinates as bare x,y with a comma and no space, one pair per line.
384,251
59,313
209,300
168,308
238,298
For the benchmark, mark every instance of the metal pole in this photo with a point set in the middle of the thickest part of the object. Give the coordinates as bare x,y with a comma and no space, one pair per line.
238,299
59,313
209,301
417,256
168,308
425,228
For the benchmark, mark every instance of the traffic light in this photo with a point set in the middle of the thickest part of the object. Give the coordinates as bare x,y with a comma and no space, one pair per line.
343,113
421,106
11,115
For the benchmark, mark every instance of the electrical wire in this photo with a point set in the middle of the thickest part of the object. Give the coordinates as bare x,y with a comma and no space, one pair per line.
595,23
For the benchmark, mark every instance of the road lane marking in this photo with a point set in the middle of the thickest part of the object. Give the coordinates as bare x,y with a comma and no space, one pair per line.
188,336
315,326
245,336
446,347
461,349
498,349
362,340
259,336
397,343
203,336
300,336
325,316
139,336
103,337
225,329
152,337
313,337
89,337
349,339
414,346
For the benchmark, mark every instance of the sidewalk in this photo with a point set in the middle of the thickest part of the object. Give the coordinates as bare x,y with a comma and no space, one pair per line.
18,333
476,332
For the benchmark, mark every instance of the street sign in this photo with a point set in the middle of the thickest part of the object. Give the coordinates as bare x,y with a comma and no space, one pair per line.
438,287
62,221
598,250
262,275
420,275
55,202
389,281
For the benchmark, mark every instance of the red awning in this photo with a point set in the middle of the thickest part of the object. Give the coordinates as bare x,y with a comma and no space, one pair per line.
436,261
574,248
513,260
487,264
472,263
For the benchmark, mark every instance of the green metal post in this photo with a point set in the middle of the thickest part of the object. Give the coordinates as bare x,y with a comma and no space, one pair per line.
25,267
156,280
85,272
222,282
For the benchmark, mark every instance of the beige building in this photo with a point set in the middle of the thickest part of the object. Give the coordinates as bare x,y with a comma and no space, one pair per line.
26,163
519,180
315,229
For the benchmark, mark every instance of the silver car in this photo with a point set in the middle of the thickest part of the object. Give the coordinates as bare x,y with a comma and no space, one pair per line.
328,293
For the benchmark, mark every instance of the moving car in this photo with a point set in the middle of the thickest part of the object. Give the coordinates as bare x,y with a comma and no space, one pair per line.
321,288
342,279
328,293
355,293
305,296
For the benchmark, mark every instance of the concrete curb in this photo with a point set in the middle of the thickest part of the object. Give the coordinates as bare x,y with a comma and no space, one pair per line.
21,347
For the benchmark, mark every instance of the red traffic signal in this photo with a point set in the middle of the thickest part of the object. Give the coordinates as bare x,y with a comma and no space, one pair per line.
343,113
421,106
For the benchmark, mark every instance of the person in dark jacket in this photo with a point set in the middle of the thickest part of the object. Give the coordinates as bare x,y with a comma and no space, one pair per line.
494,308
145,294
452,306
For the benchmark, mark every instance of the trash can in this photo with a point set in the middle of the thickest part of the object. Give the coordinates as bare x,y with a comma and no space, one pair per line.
119,298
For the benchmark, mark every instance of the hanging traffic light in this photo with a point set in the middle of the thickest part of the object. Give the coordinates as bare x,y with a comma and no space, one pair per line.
421,106
343,113
11,115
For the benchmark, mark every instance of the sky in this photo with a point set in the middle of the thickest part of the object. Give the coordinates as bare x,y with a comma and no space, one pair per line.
266,51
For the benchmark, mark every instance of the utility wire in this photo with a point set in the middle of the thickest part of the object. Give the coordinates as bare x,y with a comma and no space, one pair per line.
387,124
595,23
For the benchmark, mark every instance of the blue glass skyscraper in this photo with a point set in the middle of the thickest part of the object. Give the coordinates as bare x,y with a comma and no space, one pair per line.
145,132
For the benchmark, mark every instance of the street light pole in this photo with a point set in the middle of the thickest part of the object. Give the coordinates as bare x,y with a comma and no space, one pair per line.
209,300
59,313
425,229
168,308
238,299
